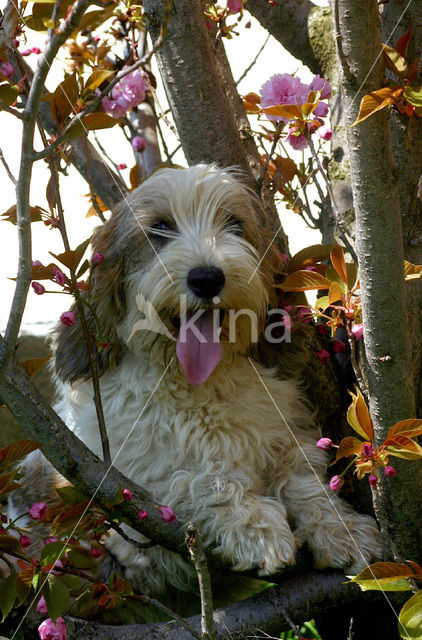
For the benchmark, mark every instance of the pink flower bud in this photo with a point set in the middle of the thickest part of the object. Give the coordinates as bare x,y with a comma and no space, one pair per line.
357,331
336,483
16,43
390,471
338,346
127,494
167,514
38,510
323,355
234,6
96,553
3,518
322,329
36,263
97,38
42,605
52,539
324,443
38,288
97,258
248,25
311,268
50,631
284,258
143,515
68,318
25,541
367,451
7,69
325,132
139,144
372,479
26,52
59,277
304,314
122,166
36,50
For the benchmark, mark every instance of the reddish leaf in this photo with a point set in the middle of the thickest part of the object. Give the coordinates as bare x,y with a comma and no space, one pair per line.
338,262
284,111
36,214
72,258
410,428
358,416
34,365
23,583
309,256
375,101
395,62
334,294
348,447
403,42
9,455
305,281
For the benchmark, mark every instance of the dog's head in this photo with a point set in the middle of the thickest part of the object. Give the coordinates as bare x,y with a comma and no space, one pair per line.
186,249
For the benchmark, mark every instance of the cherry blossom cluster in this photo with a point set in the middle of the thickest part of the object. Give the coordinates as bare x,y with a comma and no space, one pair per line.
126,94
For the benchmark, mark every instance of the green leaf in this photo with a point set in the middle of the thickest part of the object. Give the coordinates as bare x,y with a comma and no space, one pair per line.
410,618
8,93
385,576
333,276
7,595
413,95
23,583
52,552
81,558
9,543
71,495
56,597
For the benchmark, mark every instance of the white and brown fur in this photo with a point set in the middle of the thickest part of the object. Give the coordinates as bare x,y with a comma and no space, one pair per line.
219,454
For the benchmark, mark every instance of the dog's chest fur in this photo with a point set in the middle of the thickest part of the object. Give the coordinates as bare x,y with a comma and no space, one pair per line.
168,434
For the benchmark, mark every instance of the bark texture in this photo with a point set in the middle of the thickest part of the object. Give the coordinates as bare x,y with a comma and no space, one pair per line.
380,251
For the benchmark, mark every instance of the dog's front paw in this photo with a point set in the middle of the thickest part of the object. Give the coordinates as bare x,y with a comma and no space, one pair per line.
268,549
351,543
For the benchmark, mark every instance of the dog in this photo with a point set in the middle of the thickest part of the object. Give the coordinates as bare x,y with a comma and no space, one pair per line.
199,423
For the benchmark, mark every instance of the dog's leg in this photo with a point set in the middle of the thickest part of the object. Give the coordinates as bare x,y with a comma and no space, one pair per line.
337,535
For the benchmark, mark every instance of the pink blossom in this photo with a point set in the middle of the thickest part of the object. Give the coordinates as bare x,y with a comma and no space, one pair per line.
325,132
36,50
338,346
234,6
288,322
38,510
3,518
36,263
390,471
282,88
284,258
323,355
38,288
143,515
50,631
16,43
167,514
97,258
122,166
367,451
97,38
336,483
26,52
25,541
372,479
96,553
139,144
113,109
304,314
320,84
57,565
7,69
321,110
52,539
59,276
68,318
324,444
357,331
298,142
42,605
127,494
314,269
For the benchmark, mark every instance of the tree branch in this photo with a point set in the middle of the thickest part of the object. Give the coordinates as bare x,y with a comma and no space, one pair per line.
199,560
287,22
380,251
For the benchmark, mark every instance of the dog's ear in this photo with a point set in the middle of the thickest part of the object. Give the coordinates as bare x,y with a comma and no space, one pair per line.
106,299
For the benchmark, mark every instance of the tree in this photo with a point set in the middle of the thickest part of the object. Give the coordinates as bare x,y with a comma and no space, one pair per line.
378,160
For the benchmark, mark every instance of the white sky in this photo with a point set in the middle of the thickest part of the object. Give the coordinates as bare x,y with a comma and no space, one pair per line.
41,311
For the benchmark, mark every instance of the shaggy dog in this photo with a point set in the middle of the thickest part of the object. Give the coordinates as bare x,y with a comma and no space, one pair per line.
193,418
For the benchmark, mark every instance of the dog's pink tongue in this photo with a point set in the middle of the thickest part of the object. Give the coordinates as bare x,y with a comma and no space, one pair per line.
197,358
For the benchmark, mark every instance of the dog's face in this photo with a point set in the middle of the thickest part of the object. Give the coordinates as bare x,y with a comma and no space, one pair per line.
187,241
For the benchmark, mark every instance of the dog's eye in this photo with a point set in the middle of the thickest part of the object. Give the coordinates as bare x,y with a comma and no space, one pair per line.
233,225
162,230
161,225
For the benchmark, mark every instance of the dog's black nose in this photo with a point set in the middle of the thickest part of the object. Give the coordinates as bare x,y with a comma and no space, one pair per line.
206,282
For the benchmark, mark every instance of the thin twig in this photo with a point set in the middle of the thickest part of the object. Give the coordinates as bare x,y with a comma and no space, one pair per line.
30,113
276,138
138,545
92,193
199,560
254,61
78,118
11,110
340,226
104,152
7,168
